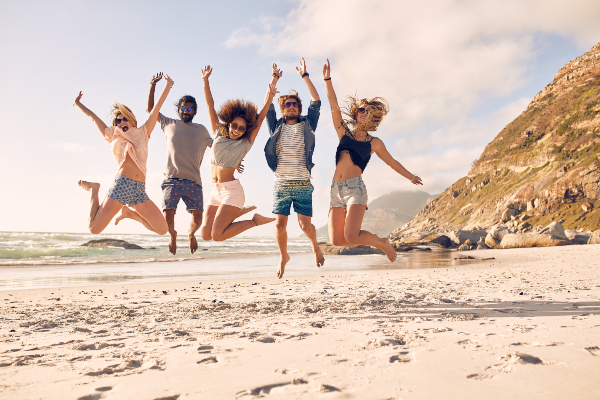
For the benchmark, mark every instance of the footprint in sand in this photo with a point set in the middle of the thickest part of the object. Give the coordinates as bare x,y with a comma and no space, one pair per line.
595,351
400,358
96,396
174,397
205,349
103,389
480,377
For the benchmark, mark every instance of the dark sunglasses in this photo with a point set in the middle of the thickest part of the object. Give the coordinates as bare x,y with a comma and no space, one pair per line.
294,104
189,109
363,110
237,127
118,120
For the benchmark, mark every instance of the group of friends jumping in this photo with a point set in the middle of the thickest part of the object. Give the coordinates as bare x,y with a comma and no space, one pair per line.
289,152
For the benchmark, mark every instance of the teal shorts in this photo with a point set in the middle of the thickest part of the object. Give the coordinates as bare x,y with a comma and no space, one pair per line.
298,193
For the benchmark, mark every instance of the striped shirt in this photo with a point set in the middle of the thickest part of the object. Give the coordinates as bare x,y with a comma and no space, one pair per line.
291,153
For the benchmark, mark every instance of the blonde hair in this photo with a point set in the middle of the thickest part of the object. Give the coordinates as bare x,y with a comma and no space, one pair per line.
379,110
118,108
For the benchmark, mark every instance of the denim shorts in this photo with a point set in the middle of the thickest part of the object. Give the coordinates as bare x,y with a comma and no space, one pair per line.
175,189
297,192
348,192
127,191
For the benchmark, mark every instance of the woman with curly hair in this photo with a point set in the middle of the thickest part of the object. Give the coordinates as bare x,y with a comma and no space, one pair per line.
348,201
234,137
130,147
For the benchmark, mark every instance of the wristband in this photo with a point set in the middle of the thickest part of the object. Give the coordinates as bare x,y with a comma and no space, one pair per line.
305,74
275,75
153,83
328,79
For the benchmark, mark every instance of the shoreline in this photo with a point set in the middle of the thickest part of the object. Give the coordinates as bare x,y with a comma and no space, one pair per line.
524,325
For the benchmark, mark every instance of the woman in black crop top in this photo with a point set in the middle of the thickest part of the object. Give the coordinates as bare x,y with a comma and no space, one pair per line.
348,191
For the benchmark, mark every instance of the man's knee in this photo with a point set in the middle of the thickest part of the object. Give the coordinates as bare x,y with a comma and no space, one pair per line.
281,224
197,217
306,226
169,216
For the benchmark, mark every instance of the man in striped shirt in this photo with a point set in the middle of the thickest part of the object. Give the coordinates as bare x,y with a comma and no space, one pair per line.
289,153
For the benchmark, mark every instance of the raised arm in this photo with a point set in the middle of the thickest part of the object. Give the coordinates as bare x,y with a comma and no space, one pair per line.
272,91
153,117
210,103
99,123
314,96
379,148
336,114
153,82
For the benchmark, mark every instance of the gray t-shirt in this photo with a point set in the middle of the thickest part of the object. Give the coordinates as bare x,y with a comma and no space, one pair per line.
186,144
229,152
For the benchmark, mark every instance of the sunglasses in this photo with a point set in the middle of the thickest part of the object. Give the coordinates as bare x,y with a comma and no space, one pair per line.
294,104
364,110
237,127
118,120
188,109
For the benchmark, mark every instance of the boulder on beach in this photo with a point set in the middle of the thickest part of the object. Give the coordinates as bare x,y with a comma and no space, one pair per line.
112,243
577,237
532,239
331,250
467,245
555,229
440,240
595,238
494,237
460,236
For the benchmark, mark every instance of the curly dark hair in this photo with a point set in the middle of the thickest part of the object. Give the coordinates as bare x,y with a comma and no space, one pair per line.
380,109
232,109
292,94
186,99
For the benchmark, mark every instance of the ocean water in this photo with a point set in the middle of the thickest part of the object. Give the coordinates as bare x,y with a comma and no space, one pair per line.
48,248
53,260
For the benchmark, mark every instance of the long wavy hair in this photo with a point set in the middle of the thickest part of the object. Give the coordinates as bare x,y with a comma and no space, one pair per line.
292,94
232,109
350,111
117,108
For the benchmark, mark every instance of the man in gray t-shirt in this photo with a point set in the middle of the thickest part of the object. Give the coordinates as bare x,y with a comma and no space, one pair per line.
186,144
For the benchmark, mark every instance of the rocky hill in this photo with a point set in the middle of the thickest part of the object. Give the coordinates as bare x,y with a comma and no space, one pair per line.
389,211
544,166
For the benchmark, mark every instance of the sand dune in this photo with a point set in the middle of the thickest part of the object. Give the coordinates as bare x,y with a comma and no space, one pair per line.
524,325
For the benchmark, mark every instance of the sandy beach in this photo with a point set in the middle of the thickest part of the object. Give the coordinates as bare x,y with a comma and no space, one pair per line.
525,325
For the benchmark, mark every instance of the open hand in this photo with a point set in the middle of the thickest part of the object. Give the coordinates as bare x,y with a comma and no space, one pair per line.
78,98
156,78
206,71
327,70
416,180
240,168
302,69
277,71
170,81
272,89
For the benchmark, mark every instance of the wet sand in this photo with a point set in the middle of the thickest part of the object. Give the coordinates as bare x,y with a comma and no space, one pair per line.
524,325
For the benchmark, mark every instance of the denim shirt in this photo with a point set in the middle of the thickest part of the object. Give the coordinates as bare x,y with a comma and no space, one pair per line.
275,125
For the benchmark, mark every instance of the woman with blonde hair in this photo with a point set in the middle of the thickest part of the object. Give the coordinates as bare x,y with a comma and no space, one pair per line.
348,200
235,127
130,147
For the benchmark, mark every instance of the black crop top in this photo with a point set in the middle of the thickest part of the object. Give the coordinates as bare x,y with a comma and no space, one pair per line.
360,152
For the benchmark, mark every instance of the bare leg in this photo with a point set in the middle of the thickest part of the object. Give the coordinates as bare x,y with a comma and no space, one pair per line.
311,233
224,228
337,222
354,235
147,214
245,210
169,214
207,222
100,215
194,226
281,236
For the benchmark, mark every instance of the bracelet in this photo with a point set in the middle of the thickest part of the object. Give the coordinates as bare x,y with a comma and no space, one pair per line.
153,83
305,74
328,79
275,75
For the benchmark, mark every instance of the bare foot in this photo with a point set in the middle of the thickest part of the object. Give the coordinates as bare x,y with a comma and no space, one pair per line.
245,210
260,220
284,260
173,242
89,186
125,213
193,243
319,256
389,250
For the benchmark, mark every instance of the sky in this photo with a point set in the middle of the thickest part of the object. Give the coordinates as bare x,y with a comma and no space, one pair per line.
454,73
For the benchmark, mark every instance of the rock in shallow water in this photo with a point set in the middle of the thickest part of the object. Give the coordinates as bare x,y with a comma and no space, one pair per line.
112,243
329,249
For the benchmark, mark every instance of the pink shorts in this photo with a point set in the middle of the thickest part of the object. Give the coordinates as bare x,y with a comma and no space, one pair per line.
230,193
